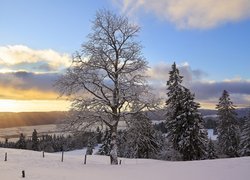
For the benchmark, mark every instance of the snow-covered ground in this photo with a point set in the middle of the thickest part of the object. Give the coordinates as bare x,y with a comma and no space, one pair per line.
211,135
51,168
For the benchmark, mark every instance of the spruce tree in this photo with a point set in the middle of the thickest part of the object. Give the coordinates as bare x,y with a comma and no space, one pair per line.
192,135
211,154
91,145
184,123
245,138
35,140
228,129
21,143
174,106
142,137
98,135
105,147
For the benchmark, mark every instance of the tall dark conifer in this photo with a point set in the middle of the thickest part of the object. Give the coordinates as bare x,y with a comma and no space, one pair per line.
174,106
184,123
211,154
245,138
21,143
192,134
105,147
228,129
35,140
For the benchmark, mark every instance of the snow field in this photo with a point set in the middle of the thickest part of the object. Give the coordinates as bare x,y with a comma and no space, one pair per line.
51,168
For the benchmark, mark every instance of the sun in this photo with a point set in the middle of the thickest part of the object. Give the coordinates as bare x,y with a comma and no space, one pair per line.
8,105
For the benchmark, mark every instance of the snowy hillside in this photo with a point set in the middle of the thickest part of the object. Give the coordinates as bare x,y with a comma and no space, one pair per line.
51,168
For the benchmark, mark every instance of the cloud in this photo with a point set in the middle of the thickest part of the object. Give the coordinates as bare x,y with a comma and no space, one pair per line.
198,14
28,94
20,57
27,85
160,72
206,92
158,76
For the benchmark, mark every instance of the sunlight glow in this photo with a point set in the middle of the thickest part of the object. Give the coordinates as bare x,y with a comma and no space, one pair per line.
33,105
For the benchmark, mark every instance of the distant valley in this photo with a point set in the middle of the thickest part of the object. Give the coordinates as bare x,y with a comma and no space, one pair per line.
11,119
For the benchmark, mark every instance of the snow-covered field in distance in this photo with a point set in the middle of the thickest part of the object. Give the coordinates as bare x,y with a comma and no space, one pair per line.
51,168
14,132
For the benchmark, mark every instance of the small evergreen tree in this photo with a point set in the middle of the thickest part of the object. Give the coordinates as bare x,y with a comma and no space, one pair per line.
245,138
142,138
99,135
211,150
105,147
21,143
91,145
35,141
48,145
228,129
6,143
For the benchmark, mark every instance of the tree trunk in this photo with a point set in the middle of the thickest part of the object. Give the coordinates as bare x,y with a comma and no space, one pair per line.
113,152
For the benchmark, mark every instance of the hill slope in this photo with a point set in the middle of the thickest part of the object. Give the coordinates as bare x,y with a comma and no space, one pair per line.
51,167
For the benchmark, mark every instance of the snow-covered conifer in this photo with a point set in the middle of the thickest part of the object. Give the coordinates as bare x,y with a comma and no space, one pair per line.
35,140
21,143
184,123
174,106
91,145
106,140
142,137
192,137
211,154
245,138
228,129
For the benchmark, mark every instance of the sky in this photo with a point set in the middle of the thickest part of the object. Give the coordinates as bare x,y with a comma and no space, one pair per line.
208,39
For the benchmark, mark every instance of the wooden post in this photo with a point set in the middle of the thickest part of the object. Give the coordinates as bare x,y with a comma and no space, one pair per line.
120,162
62,155
85,159
23,174
43,154
5,159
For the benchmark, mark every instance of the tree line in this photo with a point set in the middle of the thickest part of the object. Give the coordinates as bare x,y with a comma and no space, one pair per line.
53,143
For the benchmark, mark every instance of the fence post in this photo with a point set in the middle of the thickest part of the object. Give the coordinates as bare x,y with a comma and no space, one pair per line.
120,162
5,158
62,155
23,174
43,154
85,159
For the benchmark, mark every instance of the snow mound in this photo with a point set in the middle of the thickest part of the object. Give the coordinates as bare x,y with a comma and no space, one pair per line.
72,168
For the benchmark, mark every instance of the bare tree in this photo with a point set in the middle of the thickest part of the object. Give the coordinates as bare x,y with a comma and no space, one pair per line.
106,76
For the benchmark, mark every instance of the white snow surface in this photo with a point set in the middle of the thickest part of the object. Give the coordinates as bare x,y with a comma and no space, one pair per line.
51,168
210,133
